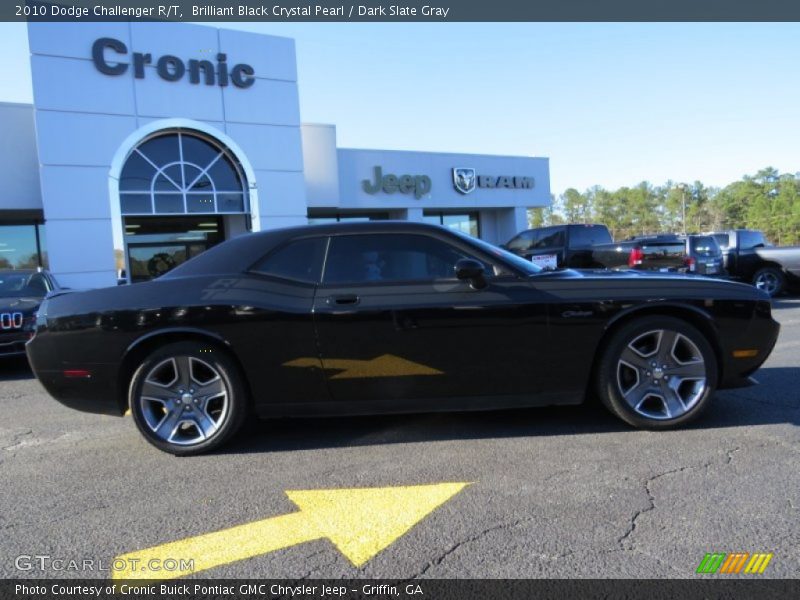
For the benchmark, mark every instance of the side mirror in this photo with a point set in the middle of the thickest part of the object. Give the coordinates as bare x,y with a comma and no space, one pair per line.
471,270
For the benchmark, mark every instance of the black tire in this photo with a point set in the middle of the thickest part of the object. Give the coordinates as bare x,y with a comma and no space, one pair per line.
771,280
613,368
223,413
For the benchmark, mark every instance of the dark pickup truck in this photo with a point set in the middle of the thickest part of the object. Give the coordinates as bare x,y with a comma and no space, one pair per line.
583,246
749,258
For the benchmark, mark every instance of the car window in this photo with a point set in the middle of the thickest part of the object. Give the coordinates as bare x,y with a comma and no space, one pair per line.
18,285
300,260
664,249
588,236
552,238
523,241
751,239
367,258
722,239
704,245
37,285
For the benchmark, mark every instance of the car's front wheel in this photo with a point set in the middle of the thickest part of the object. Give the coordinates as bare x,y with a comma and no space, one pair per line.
187,398
657,372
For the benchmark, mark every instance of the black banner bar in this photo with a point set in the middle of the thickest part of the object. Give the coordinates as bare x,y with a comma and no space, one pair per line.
401,11
419,589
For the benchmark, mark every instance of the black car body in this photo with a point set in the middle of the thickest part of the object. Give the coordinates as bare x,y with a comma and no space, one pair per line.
749,258
381,317
21,292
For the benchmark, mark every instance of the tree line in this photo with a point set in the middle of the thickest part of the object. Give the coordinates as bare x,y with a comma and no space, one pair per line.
768,201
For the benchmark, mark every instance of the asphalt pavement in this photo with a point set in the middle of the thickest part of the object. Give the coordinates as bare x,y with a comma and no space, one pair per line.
554,492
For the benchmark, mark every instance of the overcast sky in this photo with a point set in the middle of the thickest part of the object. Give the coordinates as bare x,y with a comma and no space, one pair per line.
609,104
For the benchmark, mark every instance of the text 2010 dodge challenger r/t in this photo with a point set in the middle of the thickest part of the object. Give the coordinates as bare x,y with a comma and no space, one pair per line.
386,317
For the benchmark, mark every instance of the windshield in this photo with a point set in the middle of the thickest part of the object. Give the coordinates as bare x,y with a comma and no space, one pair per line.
18,285
492,250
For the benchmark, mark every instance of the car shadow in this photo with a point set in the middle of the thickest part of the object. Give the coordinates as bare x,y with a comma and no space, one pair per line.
14,368
775,400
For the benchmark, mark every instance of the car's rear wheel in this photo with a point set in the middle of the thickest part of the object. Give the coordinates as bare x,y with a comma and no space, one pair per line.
657,372
769,279
187,398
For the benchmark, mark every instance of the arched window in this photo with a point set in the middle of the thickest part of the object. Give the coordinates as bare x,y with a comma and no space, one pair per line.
178,172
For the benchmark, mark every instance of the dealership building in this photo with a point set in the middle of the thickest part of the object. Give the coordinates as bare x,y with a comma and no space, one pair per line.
147,143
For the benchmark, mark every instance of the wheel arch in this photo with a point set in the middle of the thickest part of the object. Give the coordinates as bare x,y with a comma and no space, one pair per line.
696,317
141,347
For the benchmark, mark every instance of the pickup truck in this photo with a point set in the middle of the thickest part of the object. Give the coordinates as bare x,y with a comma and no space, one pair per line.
749,258
584,246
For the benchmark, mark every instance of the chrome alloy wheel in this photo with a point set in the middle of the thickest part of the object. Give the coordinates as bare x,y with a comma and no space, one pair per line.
661,374
768,282
184,400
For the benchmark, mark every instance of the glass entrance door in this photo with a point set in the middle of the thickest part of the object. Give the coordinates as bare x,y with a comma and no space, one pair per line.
155,246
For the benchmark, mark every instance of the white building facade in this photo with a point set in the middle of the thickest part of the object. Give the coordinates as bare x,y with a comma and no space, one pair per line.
149,142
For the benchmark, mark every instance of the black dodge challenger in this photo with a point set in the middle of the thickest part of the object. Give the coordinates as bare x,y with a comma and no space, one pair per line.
388,317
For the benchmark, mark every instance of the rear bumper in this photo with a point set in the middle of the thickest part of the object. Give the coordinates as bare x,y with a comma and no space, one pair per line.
93,393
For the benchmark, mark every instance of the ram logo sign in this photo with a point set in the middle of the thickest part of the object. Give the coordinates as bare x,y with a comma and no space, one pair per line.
465,180
734,563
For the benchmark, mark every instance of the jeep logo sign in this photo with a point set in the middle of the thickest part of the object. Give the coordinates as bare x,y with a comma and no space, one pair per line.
168,67
419,185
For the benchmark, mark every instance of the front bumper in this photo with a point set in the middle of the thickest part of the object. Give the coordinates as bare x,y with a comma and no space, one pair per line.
762,335
13,344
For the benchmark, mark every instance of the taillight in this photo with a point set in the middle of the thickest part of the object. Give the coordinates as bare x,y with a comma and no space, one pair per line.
690,263
636,257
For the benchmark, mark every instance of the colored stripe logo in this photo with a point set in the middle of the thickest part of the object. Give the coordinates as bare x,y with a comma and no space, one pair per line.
734,563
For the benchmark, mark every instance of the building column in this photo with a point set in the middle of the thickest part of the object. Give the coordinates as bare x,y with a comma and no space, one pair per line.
510,221
408,214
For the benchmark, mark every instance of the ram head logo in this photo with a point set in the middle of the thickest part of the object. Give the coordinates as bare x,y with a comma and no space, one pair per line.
464,179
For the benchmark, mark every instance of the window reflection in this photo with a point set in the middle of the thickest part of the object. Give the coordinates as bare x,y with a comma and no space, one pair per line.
22,246
464,222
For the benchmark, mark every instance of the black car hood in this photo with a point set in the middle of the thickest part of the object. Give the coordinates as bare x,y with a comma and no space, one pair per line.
23,305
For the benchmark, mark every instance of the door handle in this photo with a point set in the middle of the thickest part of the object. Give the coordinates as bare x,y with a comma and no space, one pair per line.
344,300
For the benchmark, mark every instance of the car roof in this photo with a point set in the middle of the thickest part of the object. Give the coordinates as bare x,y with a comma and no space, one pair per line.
20,271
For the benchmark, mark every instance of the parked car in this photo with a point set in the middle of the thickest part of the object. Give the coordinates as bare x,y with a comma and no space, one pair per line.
749,258
704,256
561,246
21,292
584,246
698,254
388,317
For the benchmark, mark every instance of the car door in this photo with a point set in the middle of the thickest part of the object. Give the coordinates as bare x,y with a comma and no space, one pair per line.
395,326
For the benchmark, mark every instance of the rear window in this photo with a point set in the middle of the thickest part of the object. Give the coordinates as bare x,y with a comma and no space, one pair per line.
704,245
300,260
588,236
663,249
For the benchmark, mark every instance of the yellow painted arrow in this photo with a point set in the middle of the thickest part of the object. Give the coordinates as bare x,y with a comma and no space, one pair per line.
359,521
